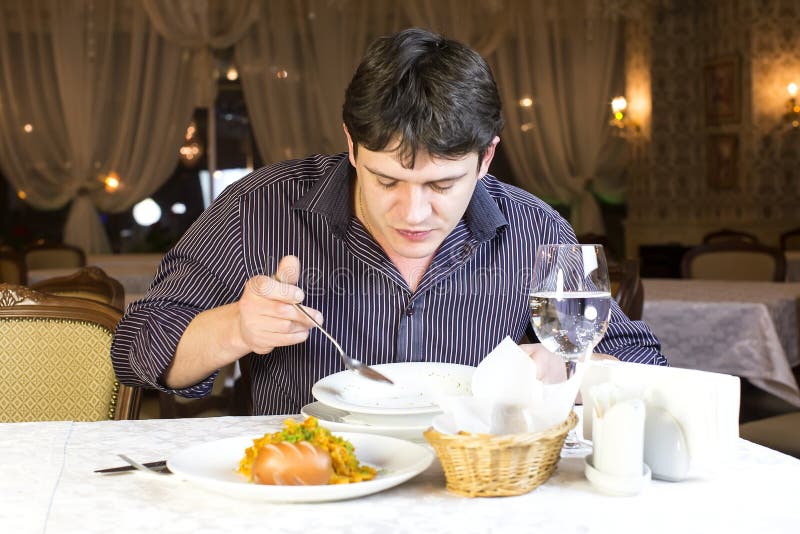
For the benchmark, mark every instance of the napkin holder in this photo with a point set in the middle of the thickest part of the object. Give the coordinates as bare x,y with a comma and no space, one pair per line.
489,465
706,405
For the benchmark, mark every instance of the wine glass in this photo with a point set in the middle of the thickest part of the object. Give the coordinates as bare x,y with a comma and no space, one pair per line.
570,302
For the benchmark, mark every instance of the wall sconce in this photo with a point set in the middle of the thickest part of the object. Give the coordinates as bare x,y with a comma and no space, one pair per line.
623,125
792,115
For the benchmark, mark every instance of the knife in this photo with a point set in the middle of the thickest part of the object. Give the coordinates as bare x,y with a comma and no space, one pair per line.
122,468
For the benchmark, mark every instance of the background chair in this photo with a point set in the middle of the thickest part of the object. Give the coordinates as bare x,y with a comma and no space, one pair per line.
734,261
590,238
626,287
727,235
12,268
89,283
791,240
49,255
54,352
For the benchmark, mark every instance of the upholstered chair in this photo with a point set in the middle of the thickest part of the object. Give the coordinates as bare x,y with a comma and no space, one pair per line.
48,255
89,283
12,268
734,261
55,357
626,287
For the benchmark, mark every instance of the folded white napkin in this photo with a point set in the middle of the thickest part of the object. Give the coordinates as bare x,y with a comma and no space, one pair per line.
507,398
706,405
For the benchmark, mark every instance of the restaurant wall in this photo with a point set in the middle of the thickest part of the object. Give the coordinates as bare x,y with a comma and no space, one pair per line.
714,153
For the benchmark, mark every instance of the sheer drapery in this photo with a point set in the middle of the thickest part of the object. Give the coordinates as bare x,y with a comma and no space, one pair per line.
88,88
295,65
479,23
200,26
568,64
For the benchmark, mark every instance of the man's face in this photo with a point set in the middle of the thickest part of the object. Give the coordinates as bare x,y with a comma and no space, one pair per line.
410,212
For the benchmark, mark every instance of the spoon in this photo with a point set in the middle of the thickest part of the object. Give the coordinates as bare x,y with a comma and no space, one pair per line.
354,365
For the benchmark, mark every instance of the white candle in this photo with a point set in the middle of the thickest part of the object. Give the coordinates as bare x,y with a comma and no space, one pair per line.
618,439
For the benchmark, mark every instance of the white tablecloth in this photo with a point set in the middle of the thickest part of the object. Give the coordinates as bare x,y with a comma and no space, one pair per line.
792,265
748,329
134,271
47,486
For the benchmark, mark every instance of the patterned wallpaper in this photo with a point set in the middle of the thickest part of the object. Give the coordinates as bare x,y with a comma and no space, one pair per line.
695,173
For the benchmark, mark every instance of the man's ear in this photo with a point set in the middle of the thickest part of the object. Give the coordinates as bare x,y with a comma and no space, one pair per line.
350,152
487,157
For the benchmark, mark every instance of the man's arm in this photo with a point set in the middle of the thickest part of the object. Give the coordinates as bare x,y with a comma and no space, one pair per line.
262,319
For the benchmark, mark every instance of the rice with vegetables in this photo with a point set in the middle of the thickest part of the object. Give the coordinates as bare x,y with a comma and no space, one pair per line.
346,468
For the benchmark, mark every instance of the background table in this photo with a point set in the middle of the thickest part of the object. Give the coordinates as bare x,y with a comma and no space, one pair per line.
48,486
134,271
748,329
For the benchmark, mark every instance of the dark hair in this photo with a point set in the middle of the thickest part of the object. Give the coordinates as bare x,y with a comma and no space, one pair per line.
431,93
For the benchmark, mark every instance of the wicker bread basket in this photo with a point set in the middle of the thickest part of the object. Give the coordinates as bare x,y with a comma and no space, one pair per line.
486,465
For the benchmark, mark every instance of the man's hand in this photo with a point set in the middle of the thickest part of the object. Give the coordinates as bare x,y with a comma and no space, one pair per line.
550,368
267,316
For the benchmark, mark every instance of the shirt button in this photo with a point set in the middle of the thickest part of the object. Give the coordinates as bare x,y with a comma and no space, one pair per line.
410,310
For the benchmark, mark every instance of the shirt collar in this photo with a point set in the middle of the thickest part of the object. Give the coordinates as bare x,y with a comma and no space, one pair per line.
332,198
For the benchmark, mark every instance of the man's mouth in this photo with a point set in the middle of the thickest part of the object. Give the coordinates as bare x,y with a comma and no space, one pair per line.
414,235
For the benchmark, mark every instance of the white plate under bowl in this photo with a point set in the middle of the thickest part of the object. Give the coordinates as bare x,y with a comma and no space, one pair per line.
416,387
213,466
398,426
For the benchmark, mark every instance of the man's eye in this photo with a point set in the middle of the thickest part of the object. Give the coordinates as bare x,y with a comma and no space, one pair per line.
387,184
441,188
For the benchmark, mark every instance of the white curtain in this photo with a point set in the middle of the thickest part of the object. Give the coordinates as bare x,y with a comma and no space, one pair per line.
565,57
295,65
201,26
88,88
481,24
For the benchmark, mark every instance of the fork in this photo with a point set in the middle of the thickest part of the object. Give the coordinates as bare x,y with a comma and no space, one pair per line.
351,363
140,467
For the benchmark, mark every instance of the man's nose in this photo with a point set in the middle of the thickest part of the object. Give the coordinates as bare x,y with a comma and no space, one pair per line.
415,205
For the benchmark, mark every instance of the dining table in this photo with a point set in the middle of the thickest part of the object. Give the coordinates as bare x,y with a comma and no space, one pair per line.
134,271
48,486
743,328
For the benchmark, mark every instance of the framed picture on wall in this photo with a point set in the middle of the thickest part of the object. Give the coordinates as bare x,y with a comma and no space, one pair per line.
723,157
723,90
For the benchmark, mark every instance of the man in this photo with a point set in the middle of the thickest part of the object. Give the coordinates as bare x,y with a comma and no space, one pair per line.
405,246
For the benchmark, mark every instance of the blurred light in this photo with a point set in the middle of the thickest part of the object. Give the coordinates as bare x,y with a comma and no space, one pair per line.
28,128
217,174
281,74
125,232
146,212
528,126
179,208
232,74
526,102
22,194
111,182
192,149
792,88
623,125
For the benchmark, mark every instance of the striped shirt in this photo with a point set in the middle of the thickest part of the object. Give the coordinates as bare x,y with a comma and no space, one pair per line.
473,294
